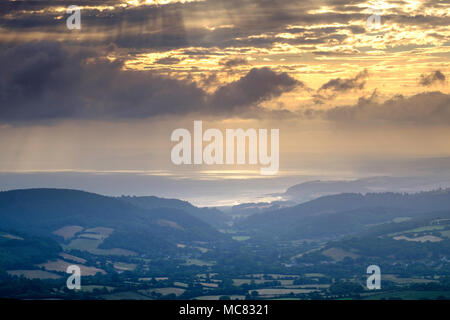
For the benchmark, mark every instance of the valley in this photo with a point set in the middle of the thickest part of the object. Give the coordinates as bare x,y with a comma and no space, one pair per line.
154,248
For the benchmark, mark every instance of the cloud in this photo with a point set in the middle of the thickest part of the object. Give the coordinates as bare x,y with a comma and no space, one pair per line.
230,63
432,78
257,86
168,60
333,87
428,108
45,81
48,81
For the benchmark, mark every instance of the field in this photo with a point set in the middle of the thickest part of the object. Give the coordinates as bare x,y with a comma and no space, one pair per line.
241,238
272,292
409,295
180,284
10,236
121,266
239,282
61,266
127,295
72,258
91,246
34,274
232,297
339,254
394,278
163,291
197,262
419,239
445,233
91,288
68,232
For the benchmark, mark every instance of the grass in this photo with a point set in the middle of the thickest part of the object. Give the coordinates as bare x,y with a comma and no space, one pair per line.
233,297
239,282
127,295
180,284
314,275
281,291
408,295
445,233
34,274
338,254
241,238
198,262
426,228
121,266
10,236
394,278
163,291
91,246
91,288
61,266
68,232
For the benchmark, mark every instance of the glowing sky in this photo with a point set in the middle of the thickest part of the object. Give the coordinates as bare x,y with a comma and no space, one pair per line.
349,98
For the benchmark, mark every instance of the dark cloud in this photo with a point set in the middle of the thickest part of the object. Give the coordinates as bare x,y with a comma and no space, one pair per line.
164,27
49,81
230,63
432,78
342,85
175,25
257,86
168,60
333,87
45,80
421,109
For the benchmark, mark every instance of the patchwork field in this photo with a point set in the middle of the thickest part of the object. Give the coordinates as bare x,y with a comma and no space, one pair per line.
91,288
68,232
420,239
61,266
339,254
72,258
197,262
163,291
241,238
273,292
91,239
121,266
232,297
394,278
409,295
128,295
239,282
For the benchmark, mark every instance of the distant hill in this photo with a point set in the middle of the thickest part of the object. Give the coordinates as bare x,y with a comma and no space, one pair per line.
314,189
211,216
424,239
43,211
247,209
337,215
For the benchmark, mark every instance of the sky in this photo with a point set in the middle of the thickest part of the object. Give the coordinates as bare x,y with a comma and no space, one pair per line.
94,108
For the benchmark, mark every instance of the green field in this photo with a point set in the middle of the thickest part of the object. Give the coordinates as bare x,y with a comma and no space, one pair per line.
409,295
241,238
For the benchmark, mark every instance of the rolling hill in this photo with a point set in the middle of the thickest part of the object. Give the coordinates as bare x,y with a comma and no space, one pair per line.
337,215
211,216
45,211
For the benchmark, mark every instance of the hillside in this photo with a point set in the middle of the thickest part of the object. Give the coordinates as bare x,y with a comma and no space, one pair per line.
47,212
211,216
314,189
423,240
337,215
